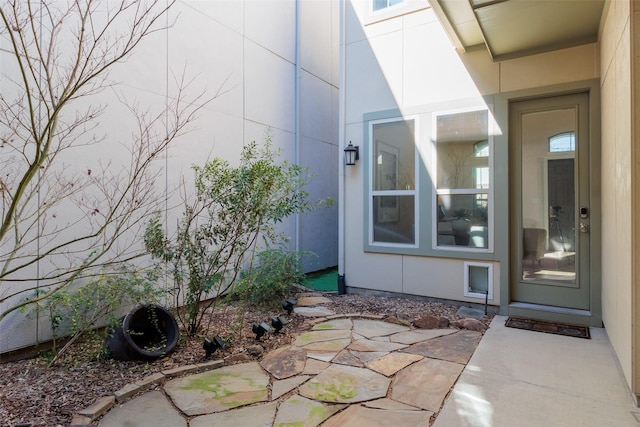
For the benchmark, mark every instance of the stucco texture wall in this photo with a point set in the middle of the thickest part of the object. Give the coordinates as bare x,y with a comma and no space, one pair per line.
616,180
246,55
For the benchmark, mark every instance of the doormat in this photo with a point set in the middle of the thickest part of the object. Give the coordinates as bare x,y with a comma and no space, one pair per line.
567,329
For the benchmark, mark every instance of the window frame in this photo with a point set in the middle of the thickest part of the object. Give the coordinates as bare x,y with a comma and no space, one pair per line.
463,191
372,193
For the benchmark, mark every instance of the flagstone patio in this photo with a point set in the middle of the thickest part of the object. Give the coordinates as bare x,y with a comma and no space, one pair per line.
345,371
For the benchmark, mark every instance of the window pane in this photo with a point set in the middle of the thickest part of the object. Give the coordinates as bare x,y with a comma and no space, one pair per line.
394,156
462,149
463,220
562,142
382,4
394,219
379,4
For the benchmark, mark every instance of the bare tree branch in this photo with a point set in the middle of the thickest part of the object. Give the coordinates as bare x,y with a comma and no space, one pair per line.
63,52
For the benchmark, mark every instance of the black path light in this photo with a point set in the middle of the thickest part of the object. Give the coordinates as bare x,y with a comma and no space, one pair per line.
278,323
260,329
351,154
210,346
287,305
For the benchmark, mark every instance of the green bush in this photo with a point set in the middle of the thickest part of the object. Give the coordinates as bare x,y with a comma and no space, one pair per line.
271,279
236,208
98,303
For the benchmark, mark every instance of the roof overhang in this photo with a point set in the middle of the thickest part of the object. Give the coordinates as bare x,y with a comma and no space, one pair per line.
515,28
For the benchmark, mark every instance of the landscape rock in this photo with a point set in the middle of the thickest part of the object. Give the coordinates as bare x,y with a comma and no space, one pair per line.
470,324
255,350
431,322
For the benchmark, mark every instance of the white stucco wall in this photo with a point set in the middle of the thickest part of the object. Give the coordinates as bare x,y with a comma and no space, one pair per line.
616,181
246,52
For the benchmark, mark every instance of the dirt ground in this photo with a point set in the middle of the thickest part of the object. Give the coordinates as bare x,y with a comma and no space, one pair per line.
31,394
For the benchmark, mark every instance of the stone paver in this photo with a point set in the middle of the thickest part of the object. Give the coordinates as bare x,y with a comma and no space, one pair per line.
368,356
373,345
386,403
285,362
321,336
328,346
219,390
314,367
282,387
456,347
312,301
392,363
419,335
376,328
300,411
359,416
252,416
344,324
425,384
318,311
321,355
346,384
345,357
149,409
355,370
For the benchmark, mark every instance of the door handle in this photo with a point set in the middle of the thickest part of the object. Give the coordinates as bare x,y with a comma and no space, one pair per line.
584,227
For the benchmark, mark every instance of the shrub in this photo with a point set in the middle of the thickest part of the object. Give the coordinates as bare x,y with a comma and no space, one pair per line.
234,208
271,280
98,303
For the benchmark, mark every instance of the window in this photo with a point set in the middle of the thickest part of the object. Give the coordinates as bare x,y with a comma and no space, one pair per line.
393,182
383,4
562,142
463,179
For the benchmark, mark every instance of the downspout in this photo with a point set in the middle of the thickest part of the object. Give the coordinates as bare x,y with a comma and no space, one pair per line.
341,145
297,115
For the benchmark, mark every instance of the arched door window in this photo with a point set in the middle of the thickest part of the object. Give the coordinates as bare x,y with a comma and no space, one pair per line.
562,142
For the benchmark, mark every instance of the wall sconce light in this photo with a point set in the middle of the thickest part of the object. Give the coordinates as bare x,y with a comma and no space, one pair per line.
351,154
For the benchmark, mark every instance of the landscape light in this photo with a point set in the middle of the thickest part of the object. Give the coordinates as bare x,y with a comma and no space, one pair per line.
260,329
278,323
288,304
210,346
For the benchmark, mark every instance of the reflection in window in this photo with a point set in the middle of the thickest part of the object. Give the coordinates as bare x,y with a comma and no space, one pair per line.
562,142
463,179
383,4
393,182
481,149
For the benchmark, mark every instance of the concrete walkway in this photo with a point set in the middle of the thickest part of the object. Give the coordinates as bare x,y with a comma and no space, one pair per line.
532,379
355,371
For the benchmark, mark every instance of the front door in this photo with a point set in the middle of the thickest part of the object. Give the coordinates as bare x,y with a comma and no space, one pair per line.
549,148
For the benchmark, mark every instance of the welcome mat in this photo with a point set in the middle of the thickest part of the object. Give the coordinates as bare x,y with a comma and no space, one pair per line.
549,327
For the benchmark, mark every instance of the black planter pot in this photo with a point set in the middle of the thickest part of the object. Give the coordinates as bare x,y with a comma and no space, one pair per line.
147,332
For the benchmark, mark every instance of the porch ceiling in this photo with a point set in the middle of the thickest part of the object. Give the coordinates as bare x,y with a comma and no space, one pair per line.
514,28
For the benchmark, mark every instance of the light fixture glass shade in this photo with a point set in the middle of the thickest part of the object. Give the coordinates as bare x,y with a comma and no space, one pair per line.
351,154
